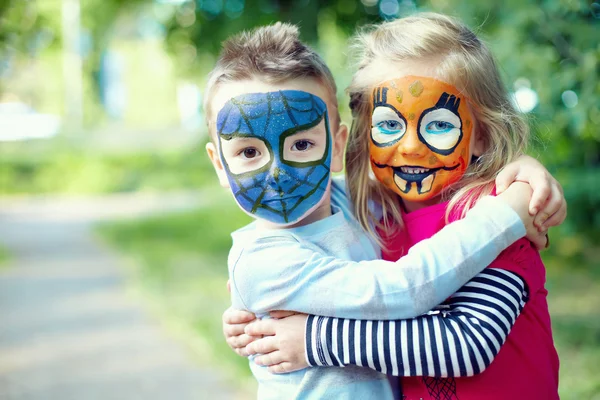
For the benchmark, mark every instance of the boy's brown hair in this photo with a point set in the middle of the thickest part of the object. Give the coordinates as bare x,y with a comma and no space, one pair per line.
272,53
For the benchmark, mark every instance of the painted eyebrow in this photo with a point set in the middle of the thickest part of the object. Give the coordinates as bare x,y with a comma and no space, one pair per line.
316,130
449,102
380,96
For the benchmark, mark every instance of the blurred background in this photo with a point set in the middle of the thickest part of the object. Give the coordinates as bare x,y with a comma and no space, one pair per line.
114,233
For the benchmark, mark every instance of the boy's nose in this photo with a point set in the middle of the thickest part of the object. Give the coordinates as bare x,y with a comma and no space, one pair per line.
279,179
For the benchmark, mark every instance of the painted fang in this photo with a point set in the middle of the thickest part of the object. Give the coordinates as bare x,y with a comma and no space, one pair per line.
276,150
420,136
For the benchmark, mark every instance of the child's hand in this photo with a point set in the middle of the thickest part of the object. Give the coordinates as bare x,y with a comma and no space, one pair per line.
234,323
518,196
283,346
547,202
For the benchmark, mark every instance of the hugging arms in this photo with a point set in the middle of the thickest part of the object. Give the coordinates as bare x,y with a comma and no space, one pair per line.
468,318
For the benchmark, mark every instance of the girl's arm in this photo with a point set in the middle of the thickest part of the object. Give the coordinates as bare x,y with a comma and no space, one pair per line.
545,189
459,339
310,282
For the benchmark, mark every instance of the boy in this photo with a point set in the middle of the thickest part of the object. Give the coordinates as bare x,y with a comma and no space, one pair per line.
276,138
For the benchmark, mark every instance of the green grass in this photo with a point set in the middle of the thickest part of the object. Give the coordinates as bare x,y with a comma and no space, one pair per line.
4,257
573,283
63,168
183,267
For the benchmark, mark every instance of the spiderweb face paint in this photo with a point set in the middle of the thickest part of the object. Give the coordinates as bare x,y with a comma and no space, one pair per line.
420,136
276,151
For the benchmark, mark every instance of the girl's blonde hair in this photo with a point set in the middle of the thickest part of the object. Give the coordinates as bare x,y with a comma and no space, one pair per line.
463,61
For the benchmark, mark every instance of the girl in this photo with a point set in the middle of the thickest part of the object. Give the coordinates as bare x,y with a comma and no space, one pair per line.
433,122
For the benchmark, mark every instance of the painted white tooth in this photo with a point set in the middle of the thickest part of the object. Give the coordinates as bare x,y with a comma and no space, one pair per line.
427,183
401,183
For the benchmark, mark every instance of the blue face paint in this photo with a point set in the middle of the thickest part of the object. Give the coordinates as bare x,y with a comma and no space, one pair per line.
281,191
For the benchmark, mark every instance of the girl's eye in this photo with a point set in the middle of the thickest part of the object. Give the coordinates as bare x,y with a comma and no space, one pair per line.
302,145
250,152
439,127
387,126
390,126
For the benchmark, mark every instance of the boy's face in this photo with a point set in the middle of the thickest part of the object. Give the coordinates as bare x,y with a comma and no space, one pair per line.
274,148
420,136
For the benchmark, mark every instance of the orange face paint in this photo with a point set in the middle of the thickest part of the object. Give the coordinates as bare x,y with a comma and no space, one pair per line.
420,136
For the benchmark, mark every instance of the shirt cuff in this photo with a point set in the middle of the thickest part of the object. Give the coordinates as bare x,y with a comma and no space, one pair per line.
317,343
310,339
502,215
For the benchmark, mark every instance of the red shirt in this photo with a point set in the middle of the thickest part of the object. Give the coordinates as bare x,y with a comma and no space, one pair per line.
527,365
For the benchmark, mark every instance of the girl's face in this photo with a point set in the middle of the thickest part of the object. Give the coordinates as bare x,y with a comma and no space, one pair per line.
421,135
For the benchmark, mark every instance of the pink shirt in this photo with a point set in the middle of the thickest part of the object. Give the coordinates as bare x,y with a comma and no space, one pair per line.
527,365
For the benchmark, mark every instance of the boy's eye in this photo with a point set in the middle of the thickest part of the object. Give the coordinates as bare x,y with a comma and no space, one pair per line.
250,152
302,145
439,127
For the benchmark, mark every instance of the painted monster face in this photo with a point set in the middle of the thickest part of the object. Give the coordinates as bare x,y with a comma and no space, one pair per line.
276,151
420,136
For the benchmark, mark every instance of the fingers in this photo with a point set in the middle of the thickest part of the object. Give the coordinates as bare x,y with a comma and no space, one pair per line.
265,345
234,322
233,330
283,368
507,176
551,207
542,188
282,314
558,218
540,219
273,358
540,241
233,316
239,343
265,327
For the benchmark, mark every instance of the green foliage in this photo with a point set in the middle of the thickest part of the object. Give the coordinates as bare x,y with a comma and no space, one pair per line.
219,20
18,24
84,172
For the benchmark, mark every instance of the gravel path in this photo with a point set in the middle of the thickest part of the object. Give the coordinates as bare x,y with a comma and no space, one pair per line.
68,330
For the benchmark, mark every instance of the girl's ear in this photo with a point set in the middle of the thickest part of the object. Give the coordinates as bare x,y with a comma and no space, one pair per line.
211,150
339,146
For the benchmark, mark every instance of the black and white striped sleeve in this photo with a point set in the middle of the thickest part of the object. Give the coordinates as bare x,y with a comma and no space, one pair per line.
459,338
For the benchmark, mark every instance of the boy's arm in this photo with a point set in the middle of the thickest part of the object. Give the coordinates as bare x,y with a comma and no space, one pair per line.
547,203
461,339
309,282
